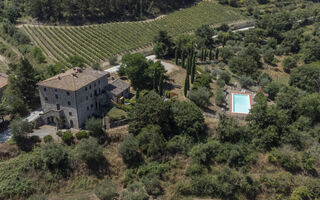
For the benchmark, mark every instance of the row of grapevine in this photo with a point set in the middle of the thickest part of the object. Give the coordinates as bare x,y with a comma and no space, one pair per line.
99,42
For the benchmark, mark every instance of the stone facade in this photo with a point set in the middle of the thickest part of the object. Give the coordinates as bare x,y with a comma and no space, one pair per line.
71,98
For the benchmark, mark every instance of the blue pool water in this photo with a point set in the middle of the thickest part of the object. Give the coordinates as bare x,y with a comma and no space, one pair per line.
241,103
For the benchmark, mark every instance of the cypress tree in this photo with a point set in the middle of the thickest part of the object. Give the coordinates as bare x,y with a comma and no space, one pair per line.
186,85
205,55
154,86
193,68
189,65
161,85
182,59
210,54
217,53
202,52
176,56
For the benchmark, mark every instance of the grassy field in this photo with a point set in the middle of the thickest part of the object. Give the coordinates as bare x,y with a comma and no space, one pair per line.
96,43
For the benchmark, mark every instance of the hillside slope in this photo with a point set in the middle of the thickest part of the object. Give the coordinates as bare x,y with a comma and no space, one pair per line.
99,42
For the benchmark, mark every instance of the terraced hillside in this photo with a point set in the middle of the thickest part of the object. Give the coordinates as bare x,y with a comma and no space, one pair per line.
99,42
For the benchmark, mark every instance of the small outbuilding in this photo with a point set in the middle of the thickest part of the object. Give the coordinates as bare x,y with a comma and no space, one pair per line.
118,89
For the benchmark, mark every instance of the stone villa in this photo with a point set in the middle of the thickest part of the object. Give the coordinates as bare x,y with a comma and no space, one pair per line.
69,99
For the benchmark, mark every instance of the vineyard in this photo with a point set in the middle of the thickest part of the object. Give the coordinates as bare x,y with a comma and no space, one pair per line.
96,43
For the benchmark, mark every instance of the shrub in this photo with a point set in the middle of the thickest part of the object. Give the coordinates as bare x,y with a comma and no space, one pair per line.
94,125
113,60
246,81
308,161
19,130
200,96
59,133
152,184
89,151
221,83
301,193
38,55
38,197
48,138
220,97
264,79
35,139
280,183
82,134
272,89
128,150
134,191
188,119
54,156
288,64
229,130
269,57
107,190
151,140
67,137
203,185
154,168
287,161
225,76
195,169
179,144
205,153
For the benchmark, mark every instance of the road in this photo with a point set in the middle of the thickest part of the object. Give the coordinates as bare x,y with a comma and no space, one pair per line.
168,66
238,30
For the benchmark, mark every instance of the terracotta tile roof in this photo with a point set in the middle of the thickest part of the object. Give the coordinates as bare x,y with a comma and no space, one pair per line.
117,87
73,79
3,80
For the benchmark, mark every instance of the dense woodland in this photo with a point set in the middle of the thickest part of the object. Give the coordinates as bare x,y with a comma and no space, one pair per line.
170,150
77,12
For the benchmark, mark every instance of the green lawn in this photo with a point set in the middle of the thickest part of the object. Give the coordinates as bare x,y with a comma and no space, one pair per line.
116,114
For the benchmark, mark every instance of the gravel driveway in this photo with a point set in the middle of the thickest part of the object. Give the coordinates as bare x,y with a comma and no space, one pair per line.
168,66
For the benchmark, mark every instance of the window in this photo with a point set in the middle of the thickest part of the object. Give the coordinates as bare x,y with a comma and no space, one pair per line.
58,106
91,105
69,103
46,98
85,88
87,98
44,89
99,82
89,86
91,95
68,93
87,107
70,113
71,124
57,97
55,90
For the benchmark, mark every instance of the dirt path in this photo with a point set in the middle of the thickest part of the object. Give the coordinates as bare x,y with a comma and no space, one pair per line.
3,60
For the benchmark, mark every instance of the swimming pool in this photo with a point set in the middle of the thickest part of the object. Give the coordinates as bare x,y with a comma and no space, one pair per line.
241,103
